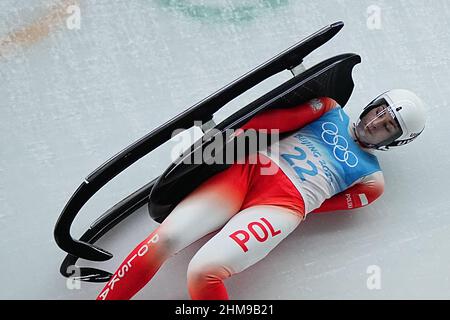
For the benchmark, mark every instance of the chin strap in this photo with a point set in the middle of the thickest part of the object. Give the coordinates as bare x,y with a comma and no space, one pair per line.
368,146
355,138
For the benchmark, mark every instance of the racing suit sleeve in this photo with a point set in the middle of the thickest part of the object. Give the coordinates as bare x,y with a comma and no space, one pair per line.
361,194
288,119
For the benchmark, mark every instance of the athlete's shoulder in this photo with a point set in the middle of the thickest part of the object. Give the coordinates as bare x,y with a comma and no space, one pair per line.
323,104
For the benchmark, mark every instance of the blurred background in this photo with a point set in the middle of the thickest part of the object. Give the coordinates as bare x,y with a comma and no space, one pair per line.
80,80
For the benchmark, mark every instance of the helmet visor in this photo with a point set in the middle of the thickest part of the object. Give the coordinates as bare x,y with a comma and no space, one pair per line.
377,125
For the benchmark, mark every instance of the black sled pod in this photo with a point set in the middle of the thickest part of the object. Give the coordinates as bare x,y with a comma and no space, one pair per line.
331,78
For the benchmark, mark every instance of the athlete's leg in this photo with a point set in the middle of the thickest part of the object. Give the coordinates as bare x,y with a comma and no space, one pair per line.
203,211
246,239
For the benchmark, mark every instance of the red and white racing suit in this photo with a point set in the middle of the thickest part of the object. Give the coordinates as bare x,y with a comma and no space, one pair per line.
322,169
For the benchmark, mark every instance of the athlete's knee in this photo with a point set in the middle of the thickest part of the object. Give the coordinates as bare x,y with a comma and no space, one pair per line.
168,241
201,270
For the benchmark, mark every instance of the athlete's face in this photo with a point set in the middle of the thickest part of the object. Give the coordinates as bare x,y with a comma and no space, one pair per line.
377,126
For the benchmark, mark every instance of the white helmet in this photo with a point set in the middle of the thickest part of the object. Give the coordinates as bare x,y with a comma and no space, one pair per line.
405,108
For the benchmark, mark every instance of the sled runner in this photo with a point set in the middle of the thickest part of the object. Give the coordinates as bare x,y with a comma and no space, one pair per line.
331,78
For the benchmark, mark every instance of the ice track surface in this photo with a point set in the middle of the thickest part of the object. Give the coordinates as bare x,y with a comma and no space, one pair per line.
71,98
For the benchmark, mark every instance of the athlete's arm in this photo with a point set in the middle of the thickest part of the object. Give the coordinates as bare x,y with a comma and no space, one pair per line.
359,195
289,119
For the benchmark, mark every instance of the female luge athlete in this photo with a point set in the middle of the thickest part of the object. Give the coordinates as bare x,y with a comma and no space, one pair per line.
326,164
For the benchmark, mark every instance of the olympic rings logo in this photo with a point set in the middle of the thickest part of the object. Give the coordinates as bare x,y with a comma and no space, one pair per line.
331,137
